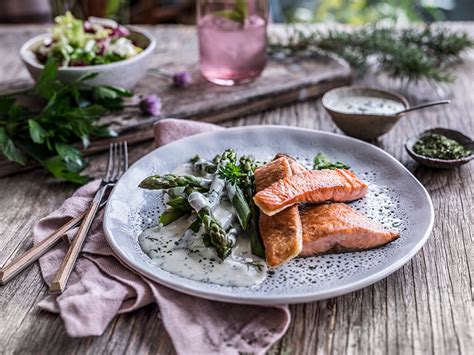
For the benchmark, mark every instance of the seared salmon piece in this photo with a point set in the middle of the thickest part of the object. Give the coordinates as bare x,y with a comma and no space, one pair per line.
296,167
314,186
337,227
281,233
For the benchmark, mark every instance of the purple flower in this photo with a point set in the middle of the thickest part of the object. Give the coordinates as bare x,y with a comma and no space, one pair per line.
151,105
121,31
88,27
182,79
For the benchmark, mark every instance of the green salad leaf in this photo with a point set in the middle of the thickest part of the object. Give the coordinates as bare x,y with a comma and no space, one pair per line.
75,42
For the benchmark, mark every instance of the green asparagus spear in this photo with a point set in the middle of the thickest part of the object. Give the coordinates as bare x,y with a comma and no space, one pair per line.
241,206
158,182
248,164
229,155
179,203
256,243
171,215
195,225
217,236
202,165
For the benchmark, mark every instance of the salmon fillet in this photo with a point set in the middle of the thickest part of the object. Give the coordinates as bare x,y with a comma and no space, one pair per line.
314,186
281,233
296,167
337,227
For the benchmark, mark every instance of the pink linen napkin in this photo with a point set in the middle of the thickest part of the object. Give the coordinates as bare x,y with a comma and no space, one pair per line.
100,287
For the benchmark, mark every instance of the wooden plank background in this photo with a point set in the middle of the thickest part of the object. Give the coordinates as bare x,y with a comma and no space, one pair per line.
424,308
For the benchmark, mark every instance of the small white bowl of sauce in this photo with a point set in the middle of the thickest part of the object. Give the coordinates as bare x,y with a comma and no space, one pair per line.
363,112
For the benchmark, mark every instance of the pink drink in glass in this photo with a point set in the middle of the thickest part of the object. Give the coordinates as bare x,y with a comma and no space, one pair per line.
232,52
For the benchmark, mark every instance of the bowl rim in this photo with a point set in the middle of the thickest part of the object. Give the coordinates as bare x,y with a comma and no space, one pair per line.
420,158
28,60
400,98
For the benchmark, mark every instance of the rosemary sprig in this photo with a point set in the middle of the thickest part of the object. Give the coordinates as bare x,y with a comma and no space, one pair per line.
412,53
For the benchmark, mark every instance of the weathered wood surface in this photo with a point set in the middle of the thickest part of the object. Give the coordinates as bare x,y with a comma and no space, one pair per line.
282,82
424,308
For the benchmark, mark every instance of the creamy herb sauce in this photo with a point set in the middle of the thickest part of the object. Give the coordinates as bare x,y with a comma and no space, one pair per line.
180,251
367,105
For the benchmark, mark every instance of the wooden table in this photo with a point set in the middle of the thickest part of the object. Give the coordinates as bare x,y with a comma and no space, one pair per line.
425,307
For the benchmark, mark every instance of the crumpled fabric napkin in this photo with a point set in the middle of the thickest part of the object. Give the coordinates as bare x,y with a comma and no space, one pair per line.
100,287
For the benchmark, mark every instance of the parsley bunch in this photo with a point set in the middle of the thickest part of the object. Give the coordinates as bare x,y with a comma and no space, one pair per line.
66,114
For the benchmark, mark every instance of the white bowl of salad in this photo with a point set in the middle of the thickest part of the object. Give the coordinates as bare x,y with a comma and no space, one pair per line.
120,55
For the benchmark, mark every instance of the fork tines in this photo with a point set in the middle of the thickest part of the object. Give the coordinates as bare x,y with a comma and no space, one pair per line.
117,163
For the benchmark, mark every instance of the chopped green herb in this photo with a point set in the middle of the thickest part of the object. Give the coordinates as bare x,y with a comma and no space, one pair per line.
440,147
231,172
321,161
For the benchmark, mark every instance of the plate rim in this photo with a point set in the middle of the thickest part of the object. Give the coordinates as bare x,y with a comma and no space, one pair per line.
287,298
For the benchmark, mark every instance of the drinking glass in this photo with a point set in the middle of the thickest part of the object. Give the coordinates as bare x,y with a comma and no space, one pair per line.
232,40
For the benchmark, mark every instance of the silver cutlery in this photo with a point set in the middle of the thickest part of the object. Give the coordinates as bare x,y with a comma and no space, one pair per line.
116,166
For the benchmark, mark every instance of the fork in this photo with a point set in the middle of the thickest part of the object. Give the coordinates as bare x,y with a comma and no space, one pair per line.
116,166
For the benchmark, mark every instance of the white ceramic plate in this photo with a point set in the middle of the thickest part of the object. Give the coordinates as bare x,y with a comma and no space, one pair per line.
395,198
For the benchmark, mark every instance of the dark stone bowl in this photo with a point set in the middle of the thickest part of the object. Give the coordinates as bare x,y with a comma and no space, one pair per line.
441,163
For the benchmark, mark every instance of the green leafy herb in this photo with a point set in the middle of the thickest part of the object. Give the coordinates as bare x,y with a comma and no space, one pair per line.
321,161
412,53
231,172
238,13
9,150
68,114
440,147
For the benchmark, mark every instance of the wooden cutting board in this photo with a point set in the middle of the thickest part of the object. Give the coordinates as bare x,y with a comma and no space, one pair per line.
282,82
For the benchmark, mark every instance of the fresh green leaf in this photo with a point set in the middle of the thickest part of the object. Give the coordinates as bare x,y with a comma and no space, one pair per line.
121,91
85,77
46,86
109,96
58,168
238,13
9,150
241,8
37,133
69,114
71,157
103,93
104,132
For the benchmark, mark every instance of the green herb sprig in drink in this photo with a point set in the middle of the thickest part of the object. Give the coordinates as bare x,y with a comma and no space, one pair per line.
238,13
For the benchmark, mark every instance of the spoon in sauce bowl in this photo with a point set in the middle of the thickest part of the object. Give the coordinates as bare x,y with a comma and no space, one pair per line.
426,104
368,113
